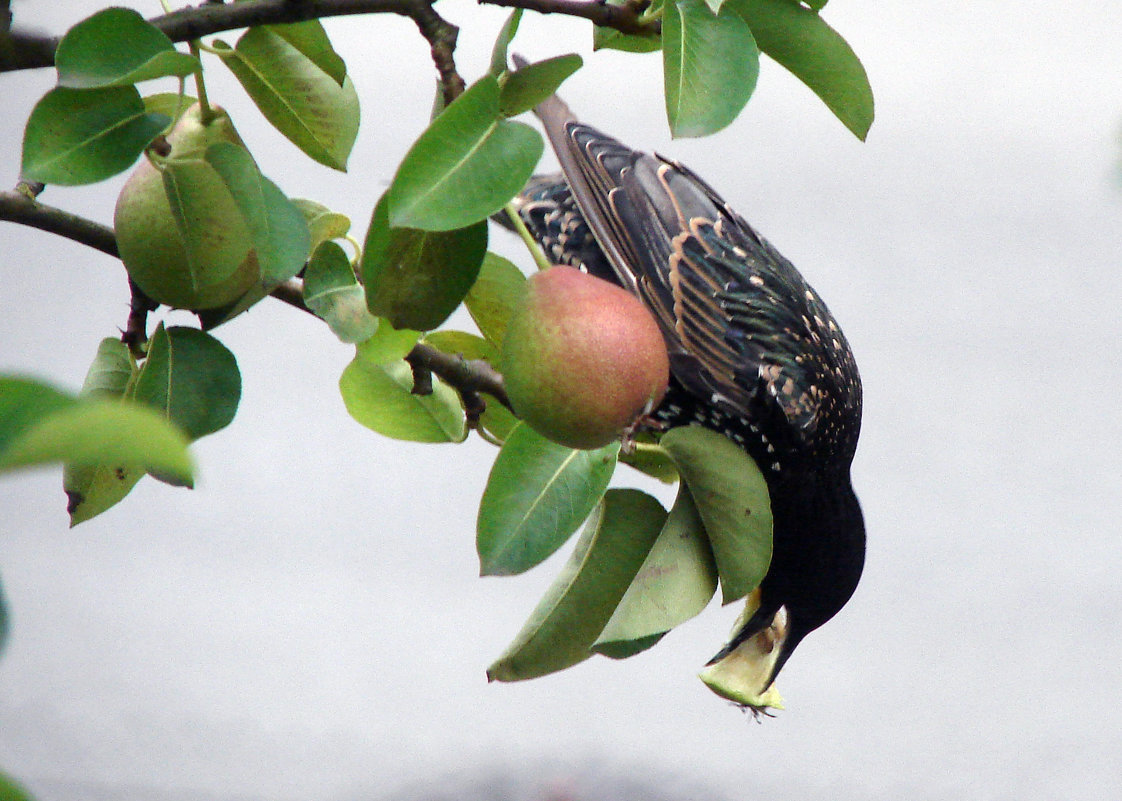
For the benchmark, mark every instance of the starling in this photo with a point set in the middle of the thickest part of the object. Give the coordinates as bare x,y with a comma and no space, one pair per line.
754,353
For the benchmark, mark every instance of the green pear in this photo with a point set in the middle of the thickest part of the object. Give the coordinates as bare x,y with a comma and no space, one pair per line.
582,358
209,262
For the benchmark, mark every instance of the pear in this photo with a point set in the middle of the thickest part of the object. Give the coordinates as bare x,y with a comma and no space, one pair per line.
741,674
582,358
215,265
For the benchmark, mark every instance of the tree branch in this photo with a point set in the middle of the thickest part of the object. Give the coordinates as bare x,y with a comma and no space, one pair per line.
21,50
32,51
19,208
24,50
441,36
468,377
624,18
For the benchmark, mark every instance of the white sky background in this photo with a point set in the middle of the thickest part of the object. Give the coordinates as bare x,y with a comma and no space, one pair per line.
308,622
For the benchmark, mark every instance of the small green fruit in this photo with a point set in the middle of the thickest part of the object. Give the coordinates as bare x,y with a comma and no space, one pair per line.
220,265
582,358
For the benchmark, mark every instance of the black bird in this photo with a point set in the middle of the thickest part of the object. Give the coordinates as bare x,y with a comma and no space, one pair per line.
754,352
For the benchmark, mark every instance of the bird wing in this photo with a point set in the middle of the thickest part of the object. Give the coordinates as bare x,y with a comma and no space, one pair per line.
744,330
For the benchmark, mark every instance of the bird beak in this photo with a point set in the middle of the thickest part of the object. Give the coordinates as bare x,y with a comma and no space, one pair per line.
744,675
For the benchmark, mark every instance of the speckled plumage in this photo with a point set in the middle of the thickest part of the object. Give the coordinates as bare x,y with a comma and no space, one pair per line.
755,353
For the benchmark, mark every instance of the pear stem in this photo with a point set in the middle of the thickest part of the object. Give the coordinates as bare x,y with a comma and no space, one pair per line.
206,113
487,437
649,447
531,244
354,243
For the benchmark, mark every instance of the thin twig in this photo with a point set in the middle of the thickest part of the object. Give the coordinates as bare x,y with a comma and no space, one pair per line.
441,36
135,335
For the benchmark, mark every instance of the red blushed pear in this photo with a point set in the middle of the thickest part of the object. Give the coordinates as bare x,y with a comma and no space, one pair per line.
582,358
150,243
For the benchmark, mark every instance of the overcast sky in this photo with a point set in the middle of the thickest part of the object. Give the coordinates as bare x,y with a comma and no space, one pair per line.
308,623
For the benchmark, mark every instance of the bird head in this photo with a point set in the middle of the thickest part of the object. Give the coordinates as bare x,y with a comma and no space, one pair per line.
776,618
744,671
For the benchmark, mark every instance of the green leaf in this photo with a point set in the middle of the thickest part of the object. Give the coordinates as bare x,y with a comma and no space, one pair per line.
710,64
463,344
465,166
388,344
414,278
191,378
301,101
23,403
624,649
82,136
323,223
651,460
494,296
310,39
816,54
274,225
93,488
677,581
732,498
111,372
611,39
379,396
170,104
502,42
11,791
278,233
215,237
536,496
532,84
498,420
39,425
333,293
117,47
560,631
